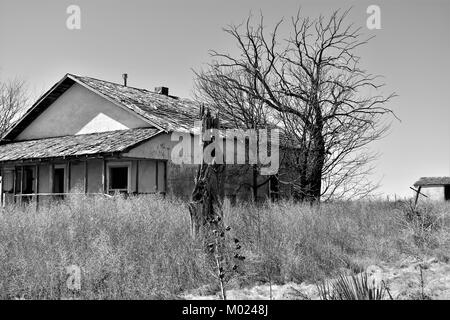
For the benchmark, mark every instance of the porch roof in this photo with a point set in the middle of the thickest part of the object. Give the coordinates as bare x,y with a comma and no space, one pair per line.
74,146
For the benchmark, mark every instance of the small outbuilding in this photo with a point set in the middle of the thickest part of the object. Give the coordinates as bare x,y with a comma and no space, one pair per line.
434,188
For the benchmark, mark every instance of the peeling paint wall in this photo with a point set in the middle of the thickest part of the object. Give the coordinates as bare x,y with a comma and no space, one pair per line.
80,110
180,177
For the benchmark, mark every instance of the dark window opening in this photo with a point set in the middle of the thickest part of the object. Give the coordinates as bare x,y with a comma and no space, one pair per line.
274,188
18,178
447,192
58,182
28,181
25,183
118,178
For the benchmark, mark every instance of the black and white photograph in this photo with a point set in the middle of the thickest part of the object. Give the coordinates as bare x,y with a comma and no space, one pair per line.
224,156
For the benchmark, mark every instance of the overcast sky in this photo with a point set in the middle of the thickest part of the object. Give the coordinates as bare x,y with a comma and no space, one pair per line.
159,42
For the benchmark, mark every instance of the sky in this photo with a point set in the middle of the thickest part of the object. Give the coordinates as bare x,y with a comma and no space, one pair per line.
159,43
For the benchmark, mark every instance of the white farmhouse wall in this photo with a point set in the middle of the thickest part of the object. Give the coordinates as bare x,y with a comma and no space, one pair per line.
159,147
79,111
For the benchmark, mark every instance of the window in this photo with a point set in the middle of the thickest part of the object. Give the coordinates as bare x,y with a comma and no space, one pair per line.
118,177
25,183
28,180
59,181
8,181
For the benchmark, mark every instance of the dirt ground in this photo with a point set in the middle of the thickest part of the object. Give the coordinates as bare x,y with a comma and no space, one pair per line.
403,280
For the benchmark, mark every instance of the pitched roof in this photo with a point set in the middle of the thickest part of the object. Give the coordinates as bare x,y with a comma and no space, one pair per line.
78,145
432,181
163,112
166,112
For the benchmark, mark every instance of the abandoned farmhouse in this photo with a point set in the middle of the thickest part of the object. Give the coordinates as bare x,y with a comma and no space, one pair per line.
89,136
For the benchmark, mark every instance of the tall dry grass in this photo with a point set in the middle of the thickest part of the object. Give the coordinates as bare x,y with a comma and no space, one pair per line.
140,248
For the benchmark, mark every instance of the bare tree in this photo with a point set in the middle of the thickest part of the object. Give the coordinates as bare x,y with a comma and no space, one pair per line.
13,101
329,107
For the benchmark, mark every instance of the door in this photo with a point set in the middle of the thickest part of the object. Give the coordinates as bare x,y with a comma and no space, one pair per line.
447,192
59,174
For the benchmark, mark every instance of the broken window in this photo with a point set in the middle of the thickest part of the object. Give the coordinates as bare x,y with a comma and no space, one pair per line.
118,176
24,183
59,182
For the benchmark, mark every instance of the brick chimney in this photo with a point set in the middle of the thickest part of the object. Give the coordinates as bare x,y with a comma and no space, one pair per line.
162,90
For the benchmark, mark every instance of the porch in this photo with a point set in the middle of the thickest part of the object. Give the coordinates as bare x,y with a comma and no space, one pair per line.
53,180
51,168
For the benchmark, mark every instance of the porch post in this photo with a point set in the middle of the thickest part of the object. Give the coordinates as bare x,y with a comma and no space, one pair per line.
85,176
69,166
21,185
36,183
50,177
165,178
156,175
14,184
104,175
137,176
1,189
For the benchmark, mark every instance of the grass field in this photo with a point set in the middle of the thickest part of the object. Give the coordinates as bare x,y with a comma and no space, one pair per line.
140,248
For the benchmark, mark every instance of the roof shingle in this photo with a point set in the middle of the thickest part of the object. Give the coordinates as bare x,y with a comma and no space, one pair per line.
432,181
167,112
78,145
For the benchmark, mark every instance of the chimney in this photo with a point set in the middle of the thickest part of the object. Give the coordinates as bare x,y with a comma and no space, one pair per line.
125,78
162,90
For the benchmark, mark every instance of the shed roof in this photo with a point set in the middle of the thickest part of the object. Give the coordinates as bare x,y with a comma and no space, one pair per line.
78,145
432,181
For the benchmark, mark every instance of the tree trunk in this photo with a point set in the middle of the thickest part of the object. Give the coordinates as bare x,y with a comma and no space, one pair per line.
315,178
255,182
205,205
318,154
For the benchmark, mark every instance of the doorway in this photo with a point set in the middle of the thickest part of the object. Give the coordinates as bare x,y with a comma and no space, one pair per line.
447,193
59,174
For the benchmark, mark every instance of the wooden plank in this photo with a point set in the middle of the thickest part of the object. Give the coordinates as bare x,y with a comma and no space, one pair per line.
14,183
1,189
156,175
64,194
104,176
85,177
165,177
417,196
69,167
36,183
51,186
419,192
137,176
21,185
